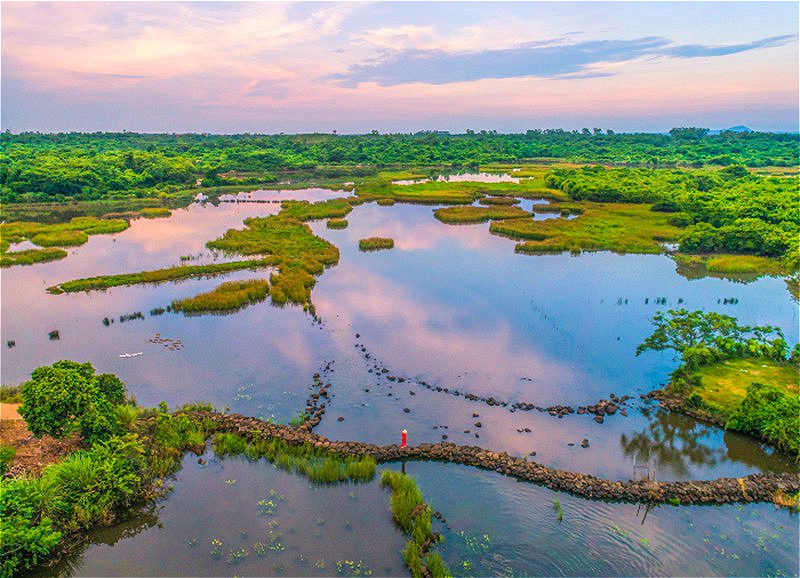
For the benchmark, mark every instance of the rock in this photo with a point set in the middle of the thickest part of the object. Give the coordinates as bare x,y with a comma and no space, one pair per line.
475,414
584,443
201,461
444,436
340,418
411,392
478,424
406,410
598,418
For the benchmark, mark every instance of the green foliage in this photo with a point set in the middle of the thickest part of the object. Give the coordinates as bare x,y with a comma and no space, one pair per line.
31,257
229,296
772,413
156,276
68,395
7,454
58,167
375,244
558,509
703,337
316,464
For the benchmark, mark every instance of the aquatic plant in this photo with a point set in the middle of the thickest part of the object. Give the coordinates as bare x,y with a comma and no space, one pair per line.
229,296
156,276
558,509
472,214
413,515
337,223
317,464
375,244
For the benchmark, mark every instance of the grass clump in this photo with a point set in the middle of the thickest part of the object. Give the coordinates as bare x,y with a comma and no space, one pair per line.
31,256
413,515
337,223
499,201
229,296
154,212
156,276
618,227
10,394
736,266
375,244
60,239
316,464
471,214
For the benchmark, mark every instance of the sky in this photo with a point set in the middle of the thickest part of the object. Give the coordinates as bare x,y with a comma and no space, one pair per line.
353,67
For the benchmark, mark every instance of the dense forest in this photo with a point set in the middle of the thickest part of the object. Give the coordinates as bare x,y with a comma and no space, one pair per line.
56,167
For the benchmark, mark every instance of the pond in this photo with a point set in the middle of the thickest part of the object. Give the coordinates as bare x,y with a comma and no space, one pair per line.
449,307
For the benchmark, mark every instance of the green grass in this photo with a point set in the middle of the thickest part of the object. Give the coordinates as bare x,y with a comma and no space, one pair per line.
498,201
723,386
229,296
316,464
337,223
154,212
51,236
31,256
727,265
413,516
618,227
305,211
60,239
471,214
156,276
375,244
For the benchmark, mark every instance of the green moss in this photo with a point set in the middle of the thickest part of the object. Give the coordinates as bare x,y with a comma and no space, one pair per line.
375,244
337,223
230,296
156,276
618,227
471,214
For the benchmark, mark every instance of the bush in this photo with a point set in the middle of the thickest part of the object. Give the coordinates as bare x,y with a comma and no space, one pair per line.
67,396
769,412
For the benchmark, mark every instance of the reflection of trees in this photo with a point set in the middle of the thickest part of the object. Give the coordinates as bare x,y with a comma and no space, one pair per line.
744,449
676,441
140,519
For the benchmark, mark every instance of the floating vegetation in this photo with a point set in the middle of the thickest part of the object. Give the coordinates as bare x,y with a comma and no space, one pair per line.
472,214
216,549
413,515
236,556
229,296
352,568
54,335
316,464
131,316
375,244
11,343
266,507
337,223
559,510
260,548
157,311
156,276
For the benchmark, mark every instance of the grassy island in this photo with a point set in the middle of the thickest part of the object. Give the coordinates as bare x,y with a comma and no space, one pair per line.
375,244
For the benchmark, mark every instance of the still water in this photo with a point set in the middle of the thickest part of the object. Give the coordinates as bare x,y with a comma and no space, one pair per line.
450,306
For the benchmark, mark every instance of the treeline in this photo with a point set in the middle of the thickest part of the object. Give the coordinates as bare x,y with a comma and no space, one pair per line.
728,210
44,167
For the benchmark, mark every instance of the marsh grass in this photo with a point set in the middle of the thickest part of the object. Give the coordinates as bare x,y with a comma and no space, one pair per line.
229,296
154,212
156,276
337,223
375,244
730,266
69,234
498,201
618,227
472,214
413,516
316,464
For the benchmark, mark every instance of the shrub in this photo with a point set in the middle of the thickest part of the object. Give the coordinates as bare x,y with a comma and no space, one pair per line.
67,396
769,412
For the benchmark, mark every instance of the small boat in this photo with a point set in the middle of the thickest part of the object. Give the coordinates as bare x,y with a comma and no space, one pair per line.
131,354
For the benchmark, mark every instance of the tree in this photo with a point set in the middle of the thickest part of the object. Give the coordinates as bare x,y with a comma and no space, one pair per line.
702,337
68,396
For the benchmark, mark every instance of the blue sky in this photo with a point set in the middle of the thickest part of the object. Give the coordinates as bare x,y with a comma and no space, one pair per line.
354,67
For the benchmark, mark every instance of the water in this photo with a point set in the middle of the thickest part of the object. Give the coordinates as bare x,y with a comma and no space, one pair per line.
451,305
464,178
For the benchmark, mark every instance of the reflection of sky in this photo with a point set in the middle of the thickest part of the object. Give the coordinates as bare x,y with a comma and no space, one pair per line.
452,305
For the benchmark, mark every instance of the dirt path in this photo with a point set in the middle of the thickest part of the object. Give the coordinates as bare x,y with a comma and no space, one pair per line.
32,454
